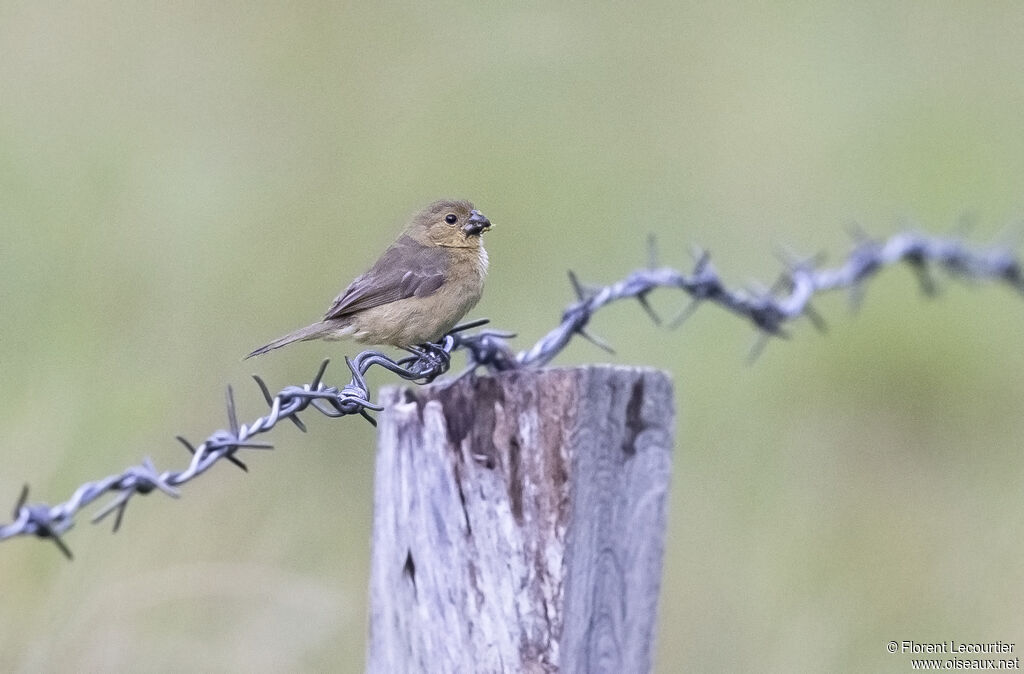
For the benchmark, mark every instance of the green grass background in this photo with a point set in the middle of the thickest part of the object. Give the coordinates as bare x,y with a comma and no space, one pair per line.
180,184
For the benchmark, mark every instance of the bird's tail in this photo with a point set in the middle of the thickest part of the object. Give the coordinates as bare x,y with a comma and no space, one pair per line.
309,332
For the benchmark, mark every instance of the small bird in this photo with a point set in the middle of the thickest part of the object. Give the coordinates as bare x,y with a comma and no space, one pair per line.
419,288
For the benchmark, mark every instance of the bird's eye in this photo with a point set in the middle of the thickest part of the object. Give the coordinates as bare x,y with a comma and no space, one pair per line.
451,218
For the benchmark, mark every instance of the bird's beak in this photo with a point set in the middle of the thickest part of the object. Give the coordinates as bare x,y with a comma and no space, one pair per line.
477,223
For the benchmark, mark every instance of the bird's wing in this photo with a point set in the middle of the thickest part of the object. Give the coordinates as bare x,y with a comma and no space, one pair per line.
406,269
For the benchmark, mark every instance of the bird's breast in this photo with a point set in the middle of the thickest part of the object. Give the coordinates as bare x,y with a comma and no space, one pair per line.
464,280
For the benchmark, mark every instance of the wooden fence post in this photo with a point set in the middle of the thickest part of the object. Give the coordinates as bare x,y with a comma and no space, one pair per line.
519,522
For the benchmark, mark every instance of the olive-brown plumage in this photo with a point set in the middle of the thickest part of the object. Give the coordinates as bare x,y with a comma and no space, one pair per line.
419,288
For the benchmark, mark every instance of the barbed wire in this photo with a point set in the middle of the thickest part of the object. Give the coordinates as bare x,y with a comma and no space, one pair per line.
767,309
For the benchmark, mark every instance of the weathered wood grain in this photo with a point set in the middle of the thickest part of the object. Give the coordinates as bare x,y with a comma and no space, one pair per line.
519,522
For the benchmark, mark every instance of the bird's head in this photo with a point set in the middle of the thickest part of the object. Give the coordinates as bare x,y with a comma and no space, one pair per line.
449,223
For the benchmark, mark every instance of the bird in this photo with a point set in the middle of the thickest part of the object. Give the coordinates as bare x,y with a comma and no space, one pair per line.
417,290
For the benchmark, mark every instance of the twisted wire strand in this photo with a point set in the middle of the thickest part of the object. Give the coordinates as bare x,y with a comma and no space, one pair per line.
768,310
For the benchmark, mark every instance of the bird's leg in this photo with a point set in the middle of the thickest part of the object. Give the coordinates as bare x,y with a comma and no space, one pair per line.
428,360
436,352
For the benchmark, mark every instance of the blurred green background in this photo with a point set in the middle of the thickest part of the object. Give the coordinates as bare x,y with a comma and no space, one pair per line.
179,185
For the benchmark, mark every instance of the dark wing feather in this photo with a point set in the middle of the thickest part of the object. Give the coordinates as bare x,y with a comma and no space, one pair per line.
406,269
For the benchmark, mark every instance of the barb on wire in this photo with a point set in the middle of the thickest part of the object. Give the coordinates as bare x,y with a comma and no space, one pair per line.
768,310
354,398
